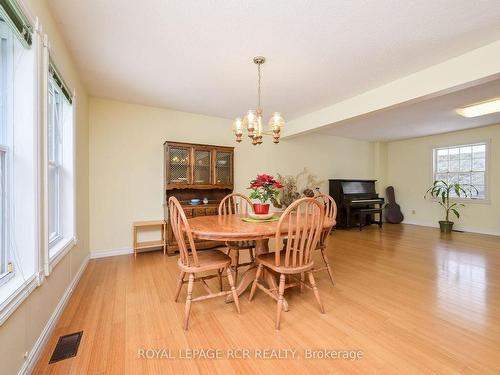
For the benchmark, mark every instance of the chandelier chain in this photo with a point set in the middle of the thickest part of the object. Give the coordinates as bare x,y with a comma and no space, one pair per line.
258,89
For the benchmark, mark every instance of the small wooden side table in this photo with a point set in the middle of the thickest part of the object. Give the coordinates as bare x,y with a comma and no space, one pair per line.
150,244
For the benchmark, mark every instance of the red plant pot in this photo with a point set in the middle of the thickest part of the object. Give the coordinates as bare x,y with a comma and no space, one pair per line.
261,209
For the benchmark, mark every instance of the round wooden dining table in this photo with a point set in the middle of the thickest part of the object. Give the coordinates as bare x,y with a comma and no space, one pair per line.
233,228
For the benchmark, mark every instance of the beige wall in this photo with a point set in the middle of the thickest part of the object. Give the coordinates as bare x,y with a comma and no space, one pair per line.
22,329
126,159
120,146
410,171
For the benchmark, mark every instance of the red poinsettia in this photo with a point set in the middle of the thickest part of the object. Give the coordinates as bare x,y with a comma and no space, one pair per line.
277,185
265,188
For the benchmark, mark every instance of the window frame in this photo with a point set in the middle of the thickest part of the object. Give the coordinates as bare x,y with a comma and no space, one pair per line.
24,106
56,247
475,142
6,44
22,123
55,156
5,260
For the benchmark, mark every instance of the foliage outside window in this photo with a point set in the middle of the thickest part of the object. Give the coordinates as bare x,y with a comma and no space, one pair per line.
465,165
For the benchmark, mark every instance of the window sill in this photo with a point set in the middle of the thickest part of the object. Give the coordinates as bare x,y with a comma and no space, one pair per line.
59,250
13,293
486,201
471,201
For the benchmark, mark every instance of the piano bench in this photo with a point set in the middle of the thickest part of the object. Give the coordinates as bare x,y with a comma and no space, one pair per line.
365,212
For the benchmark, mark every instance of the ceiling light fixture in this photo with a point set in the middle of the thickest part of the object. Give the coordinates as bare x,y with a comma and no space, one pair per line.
253,118
480,109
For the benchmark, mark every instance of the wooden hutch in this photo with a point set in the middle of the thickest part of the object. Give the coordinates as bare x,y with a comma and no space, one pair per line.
196,171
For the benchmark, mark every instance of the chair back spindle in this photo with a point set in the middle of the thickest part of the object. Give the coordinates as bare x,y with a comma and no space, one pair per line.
304,220
181,230
330,205
330,213
234,204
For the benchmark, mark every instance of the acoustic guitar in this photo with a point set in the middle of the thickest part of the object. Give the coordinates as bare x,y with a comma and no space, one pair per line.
393,212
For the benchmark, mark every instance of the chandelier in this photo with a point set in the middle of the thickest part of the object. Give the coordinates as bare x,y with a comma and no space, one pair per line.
252,121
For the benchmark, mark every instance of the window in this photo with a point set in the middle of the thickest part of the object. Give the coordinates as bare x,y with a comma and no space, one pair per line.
55,164
19,186
60,174
5,97
464,164
4,253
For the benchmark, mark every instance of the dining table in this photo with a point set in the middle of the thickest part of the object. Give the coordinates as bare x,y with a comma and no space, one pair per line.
234,228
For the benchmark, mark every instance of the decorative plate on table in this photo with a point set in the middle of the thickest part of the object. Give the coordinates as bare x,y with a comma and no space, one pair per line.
260,216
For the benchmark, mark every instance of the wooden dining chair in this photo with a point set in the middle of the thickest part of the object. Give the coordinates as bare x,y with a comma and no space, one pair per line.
192,263
304,222
330,213
232,204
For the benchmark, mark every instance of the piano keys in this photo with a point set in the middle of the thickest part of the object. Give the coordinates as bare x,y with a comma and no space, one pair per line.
351,197
367,201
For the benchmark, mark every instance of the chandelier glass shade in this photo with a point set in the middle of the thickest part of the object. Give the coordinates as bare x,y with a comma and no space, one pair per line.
252,121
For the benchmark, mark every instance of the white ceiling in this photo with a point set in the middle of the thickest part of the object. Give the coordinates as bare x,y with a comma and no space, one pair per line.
196,55
431,116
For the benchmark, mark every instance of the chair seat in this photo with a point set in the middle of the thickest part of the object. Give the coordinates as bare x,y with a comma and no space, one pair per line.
207,260
240,245
268,260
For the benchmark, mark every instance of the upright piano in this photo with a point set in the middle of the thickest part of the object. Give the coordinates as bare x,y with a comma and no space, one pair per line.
352,196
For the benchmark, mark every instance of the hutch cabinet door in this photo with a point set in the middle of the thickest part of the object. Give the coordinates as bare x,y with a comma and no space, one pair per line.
202,166
196,171
223,168
178,165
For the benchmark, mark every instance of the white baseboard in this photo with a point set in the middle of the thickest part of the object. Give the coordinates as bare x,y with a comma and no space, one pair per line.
49,327
458,227
480,231
110,253
422,224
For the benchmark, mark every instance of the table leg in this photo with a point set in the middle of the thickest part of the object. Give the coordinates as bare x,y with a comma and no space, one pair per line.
261,247
245,281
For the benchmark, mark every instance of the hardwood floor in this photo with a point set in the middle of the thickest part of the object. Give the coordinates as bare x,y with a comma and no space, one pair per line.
413,301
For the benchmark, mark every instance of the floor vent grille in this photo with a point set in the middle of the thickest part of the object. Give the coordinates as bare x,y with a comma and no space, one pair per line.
67,347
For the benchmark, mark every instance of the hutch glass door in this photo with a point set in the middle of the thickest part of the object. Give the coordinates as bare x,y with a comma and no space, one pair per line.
223,168
178,172
202,160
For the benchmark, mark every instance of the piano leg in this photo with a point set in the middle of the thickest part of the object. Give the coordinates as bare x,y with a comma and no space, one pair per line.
348,217
380,222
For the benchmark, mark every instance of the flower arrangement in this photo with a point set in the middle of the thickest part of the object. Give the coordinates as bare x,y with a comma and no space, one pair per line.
264,188
304,182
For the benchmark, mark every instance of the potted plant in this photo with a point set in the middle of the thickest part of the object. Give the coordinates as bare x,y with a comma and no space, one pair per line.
264,188
440,191
292,185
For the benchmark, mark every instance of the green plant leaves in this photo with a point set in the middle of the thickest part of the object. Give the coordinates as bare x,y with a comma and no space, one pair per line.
440,190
